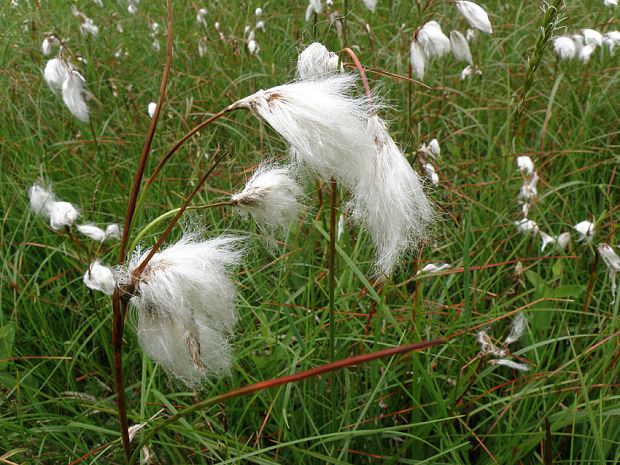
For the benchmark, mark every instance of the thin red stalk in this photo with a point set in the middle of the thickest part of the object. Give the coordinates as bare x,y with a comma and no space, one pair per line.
262,385
388,74
360,69
119,303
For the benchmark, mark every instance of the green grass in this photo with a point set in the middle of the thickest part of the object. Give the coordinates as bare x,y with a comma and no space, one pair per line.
442,405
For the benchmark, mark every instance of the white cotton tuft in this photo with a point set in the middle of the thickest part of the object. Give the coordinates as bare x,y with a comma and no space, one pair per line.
316,62
92,232
371,5
610,2
525,226
323,123
586,52
528,191
612,39
113,231
433,41
546,240
56,72
100,278
475,15
563,240
88,27
201,17
390,200
314,6
516,329
185,300
525,165
585,230
270,197
73,94
151,109
46,46
460,47
434,148
260,25
253,47
62,214
509,364
469,70
258,11
417,58
611,259
470,34
564,47
431,268
431,173
592,37
40,200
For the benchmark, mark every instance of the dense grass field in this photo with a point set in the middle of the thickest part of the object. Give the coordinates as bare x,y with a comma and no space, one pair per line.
444,405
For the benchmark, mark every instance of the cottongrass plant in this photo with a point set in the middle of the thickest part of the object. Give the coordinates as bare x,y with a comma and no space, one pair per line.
99,278
185,302
62,75
271,197
59,213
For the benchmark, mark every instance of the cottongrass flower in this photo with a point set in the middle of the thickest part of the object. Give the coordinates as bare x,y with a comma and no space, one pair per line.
258,11
260,25
92,232
586,52
564,47
611,39
417,58
314,6
271,198
432,39
100,278
431,173
510,364
323,123
434,148
460,47
475,15
561,242
43,202
46,46
151,109
585,230
185,301
528,191
59,74
88,27
201,17
516,329
469,70
525,226
525,165
253,47
431,268
390,200
610,2
611,259
113,231
371,5
316,62
592,37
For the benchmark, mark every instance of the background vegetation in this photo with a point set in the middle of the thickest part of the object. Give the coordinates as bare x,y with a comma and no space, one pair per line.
443,405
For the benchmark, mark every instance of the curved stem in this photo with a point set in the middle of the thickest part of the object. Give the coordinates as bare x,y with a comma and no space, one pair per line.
262,385
119,303
360,69
388,74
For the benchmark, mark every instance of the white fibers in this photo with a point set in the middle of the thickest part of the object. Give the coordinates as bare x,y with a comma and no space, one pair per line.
371,5
323,123
460,47
151,109
585,230
314,6
475,15
185,300
390,200
270,197
525,226
40,200
431,173
92,232
432,39
417,58
61,75
44,203
525,165
113,231
516,329
62,214
431,268
316,62
100,278
469,70
564,47
510,364
611,259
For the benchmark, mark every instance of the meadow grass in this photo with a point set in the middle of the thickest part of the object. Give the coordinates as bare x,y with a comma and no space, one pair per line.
442,405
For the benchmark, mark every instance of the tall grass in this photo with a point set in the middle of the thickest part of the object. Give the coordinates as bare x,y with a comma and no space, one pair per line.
442,405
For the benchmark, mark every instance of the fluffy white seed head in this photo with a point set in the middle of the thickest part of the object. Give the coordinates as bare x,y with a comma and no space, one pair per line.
417,58
546,240
270,197
434,148
390,200
371,5
40,200
260,25
516,329
113,231
185,300
201,17
611,259
592,37
431,173
258,11
46,46
470,34
585,230
469,70
100,278
510,364
475,15
586,52
460,47
74,95
612,40
151,109
526,226
88,27
563,240
564,47
62,214
433,41
314,6
323,123
92,232
56,72
431,268
316,62
525,165
528,191
253,47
